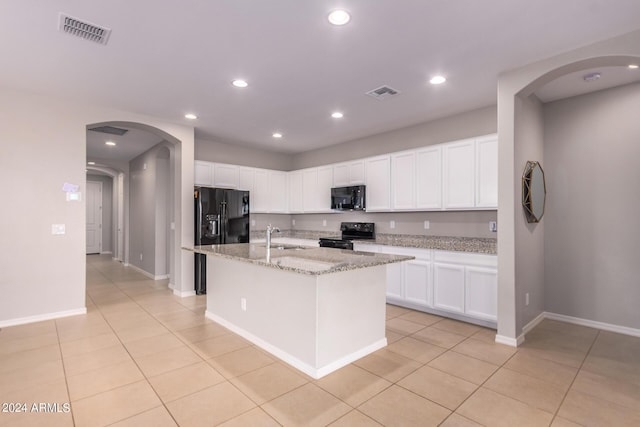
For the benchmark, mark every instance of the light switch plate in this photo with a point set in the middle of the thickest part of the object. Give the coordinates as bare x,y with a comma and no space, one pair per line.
493,226
426,225
392,224
57,229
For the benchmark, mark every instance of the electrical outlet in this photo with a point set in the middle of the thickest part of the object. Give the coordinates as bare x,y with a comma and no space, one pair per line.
324,222
493,226
526,298
243,304
253,222
426,225
293,222
392,224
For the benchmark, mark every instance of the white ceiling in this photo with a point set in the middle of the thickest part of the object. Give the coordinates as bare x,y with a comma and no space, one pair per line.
165,58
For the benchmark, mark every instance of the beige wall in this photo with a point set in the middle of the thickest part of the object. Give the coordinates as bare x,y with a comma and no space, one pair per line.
620,50
43,275
212,151
591,233
529,259
460,126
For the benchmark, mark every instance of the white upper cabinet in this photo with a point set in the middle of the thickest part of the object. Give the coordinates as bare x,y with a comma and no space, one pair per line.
260,197
429,178
295,192
278,192
459,174
203,173
403,180
245,179
487,172
325,182
350,173
451,176
226,176
378,182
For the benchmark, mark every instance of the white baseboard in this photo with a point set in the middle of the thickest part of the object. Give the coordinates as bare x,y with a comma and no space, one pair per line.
42,317
106,253
146,273
529,326
183,294
313,372
594,324
511,342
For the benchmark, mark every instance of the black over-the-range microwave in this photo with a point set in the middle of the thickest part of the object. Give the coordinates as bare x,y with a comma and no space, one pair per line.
348,198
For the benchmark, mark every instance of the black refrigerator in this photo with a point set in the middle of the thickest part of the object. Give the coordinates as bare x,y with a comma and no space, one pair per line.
221,217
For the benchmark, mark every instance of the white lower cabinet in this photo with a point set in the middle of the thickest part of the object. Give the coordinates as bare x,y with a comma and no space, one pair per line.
417,281
466,283
461,283
448,287
481,293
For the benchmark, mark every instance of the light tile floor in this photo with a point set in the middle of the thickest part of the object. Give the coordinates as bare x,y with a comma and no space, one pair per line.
143,357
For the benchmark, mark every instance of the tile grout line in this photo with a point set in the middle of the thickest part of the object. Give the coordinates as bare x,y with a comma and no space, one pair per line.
189,345
64,371
555,415
135,362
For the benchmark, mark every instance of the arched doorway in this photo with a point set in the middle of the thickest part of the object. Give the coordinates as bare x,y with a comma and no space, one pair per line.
147,188
521,130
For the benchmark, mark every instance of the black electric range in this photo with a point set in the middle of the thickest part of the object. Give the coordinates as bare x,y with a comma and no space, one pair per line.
350,231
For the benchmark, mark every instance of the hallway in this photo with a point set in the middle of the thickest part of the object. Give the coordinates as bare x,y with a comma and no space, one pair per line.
143,357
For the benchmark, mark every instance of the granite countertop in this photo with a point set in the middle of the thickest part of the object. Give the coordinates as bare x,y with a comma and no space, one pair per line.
444,243
304,260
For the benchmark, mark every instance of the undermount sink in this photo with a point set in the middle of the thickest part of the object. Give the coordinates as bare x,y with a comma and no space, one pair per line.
283,246
302,263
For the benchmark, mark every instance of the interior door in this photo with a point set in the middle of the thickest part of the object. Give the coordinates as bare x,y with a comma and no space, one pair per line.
94,217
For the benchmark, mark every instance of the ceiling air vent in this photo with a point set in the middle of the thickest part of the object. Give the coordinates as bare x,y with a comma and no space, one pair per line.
383,92
110,130
85,30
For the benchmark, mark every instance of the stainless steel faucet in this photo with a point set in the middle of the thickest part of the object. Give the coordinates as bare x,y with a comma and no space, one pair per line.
270,230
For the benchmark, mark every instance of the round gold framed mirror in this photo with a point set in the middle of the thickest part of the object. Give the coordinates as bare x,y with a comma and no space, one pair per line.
534,191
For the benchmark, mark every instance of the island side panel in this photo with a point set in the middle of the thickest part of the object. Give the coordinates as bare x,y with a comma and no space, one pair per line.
280,305
351,315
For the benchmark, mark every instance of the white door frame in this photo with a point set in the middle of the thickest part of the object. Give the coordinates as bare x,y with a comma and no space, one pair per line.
95,187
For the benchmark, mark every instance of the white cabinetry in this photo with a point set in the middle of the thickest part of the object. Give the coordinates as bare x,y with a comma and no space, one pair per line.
260,197
278,192
295,192
459,174
409,282
378,181
226,176
245,179
403,180
466,283
429,178
487,172
325,182
350,173
463,285
203,173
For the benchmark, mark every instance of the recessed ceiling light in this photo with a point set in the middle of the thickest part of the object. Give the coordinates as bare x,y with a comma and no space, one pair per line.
190,116
277,135
111,143
339,17
239,83
633,66
437,80
337,115
91,163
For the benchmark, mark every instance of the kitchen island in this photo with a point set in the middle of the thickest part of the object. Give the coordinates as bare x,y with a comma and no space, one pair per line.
317,309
